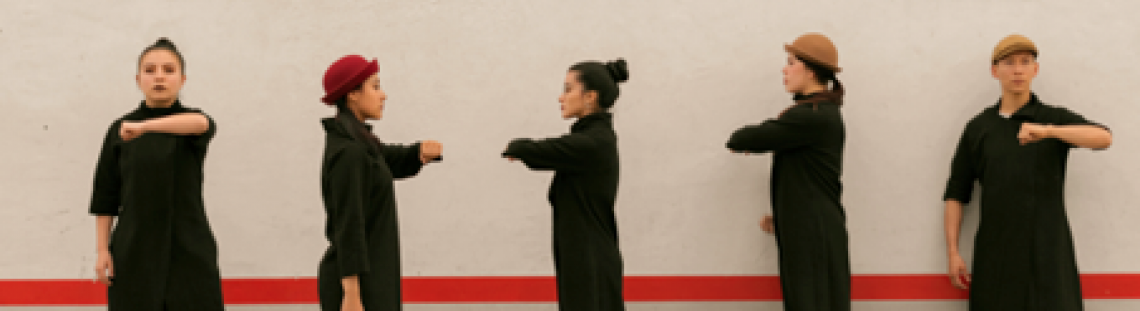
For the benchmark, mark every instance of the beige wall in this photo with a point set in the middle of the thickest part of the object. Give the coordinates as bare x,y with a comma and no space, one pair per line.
475,74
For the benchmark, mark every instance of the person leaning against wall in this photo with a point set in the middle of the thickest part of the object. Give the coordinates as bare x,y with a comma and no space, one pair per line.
807,141
587,260
360,269
1017,150
161,254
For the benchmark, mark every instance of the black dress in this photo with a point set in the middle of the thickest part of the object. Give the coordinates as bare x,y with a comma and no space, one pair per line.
807,141
162,248
357,178
1023,251
587,261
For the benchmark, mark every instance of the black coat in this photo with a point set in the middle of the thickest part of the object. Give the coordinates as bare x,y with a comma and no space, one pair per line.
587,261
1023,251
162,247
357,178
807,141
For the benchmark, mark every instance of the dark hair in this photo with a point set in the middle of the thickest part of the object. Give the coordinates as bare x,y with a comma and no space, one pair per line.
603,79
823,75
164,44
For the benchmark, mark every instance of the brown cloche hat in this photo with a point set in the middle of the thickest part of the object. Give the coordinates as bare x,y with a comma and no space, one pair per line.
816,48
1012,44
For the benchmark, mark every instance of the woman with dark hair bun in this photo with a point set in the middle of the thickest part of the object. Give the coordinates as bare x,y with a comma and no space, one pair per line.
807,141
361,268
161,254
587,261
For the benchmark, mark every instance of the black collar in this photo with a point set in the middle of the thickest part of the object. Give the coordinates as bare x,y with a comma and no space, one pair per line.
586,121
1028,112
342,125
150,112
176,105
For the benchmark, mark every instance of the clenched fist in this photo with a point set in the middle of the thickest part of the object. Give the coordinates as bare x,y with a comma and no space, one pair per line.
130,130
430,150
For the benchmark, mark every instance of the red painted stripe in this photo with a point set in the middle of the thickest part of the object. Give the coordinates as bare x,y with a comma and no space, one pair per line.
541,289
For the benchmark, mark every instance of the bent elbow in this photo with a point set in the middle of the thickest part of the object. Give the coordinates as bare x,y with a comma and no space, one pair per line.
732,146
202,125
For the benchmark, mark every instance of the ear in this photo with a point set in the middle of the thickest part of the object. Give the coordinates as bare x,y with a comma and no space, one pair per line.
590,97
138,80
353,96
993,70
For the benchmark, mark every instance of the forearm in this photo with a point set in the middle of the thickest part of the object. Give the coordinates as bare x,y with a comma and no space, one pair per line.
1084,136
103,226
953,226
179,124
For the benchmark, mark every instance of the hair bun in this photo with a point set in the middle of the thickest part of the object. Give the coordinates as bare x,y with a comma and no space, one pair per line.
618,70
163,42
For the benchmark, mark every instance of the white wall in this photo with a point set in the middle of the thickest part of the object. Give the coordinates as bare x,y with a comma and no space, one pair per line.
475,74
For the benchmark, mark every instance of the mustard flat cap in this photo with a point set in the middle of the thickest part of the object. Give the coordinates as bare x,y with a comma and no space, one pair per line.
1013,44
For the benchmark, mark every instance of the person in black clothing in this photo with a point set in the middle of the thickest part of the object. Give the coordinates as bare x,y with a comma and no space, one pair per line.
587,261
161,254
1018,150
807,142
361,268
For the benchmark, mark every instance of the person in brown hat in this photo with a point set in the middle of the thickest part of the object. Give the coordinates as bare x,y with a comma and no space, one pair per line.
807,142
1017,150
361,268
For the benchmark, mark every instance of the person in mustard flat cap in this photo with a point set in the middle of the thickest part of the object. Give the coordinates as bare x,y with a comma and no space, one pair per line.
361,268
1017,150
806,142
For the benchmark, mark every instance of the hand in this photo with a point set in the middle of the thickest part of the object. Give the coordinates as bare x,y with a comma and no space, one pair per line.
509,158
430,150
959,274
1033,132
130,130
104,268
768,225
351,302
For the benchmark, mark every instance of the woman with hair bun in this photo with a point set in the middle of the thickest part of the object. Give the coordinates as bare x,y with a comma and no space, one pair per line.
161,255
587,261
807,141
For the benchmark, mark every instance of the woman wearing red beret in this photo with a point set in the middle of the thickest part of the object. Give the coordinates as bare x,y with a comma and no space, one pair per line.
361,268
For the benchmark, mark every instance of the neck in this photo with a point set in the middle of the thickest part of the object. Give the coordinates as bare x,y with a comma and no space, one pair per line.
592,109
356,114
812,88
1013,101
152,103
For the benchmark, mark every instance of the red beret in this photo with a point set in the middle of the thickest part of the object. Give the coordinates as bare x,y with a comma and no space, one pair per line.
345,75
